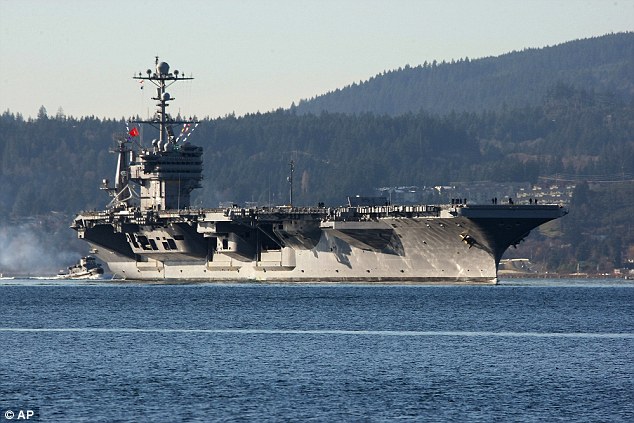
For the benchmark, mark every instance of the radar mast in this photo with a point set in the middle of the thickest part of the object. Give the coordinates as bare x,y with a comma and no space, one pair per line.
162,78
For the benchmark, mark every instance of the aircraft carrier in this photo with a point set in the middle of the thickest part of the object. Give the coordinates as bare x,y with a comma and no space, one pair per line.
149,231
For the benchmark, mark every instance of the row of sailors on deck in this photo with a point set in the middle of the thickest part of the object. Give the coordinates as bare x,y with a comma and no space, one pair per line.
494,200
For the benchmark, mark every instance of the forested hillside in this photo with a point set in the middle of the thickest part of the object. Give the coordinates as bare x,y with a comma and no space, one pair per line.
53,163
603,64
58,163
573,132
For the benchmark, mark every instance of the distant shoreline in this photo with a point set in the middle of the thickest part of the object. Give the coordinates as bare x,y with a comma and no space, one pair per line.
518,275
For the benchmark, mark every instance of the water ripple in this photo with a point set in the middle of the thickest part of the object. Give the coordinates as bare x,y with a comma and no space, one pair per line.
333,332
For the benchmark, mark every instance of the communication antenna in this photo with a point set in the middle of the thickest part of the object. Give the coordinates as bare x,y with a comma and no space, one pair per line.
290,181
162,78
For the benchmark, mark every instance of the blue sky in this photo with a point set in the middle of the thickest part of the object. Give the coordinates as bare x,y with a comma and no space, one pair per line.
249,56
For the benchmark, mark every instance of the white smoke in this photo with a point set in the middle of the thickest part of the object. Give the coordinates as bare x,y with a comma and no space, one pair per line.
36,249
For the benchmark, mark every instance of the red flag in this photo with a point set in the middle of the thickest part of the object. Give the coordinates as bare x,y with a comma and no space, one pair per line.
134,132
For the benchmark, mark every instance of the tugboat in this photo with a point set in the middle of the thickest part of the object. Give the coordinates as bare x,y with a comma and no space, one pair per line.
86,268
149,231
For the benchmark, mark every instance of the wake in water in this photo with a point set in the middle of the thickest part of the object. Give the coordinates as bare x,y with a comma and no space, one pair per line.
332,332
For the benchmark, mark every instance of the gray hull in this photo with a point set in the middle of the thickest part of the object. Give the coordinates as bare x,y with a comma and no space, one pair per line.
433,245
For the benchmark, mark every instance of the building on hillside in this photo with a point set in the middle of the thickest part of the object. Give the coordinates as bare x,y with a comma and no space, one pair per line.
481,192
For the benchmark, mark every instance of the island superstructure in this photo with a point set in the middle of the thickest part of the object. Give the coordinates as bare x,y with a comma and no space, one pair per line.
149,231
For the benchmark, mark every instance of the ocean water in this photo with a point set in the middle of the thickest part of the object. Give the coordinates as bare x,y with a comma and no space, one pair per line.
523,351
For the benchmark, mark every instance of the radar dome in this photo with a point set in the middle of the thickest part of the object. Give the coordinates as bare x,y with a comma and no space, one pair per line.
166,96
162,68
